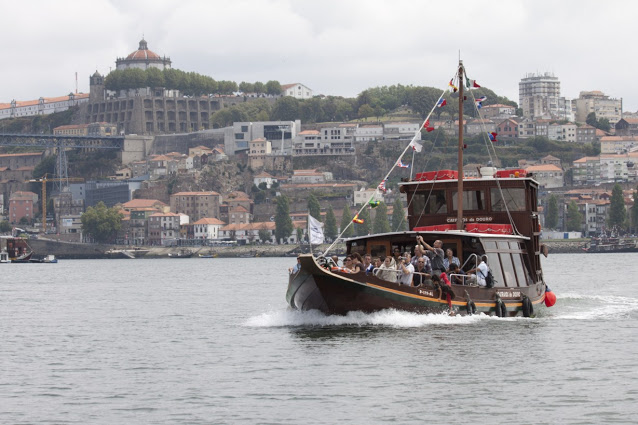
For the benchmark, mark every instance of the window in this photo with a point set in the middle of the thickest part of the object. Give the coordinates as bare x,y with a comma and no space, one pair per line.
435,204
472,200
513,198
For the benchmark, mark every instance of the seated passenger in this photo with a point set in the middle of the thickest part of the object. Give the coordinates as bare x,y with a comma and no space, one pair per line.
350,266
481,271
387,271
422,271
455,274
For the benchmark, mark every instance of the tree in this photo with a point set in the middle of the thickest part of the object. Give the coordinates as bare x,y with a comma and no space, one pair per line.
5,227
363,229
346,220
101,223
381,223
365,111
574,218
264,235
299,235
330,229
399,222
283,222
273,87
551,215
314,209
286,108
591,119
617,212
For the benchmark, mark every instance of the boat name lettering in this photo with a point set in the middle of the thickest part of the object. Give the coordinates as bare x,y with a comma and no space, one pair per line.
426,292
470,219
509,294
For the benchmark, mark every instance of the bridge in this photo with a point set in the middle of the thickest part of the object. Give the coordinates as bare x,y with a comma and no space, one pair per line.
64,141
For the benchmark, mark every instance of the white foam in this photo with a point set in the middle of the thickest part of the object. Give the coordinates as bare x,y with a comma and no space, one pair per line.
574,306
392,318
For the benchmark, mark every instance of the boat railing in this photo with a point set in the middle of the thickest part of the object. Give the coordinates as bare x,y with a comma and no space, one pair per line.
465,279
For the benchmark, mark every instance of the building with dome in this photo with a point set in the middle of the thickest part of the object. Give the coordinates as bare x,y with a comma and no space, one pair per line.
149,111
143,58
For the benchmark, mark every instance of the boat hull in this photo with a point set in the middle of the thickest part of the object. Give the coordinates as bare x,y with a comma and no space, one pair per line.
316,288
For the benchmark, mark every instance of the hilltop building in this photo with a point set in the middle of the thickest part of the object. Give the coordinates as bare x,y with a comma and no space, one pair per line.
41,106
539,95
599,103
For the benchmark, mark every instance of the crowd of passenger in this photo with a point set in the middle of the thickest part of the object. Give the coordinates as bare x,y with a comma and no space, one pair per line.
429,266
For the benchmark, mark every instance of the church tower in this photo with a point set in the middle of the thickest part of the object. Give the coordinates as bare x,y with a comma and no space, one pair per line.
96,88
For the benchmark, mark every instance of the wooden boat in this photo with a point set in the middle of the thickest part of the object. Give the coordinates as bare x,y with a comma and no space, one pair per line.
48,259
182,253
17,249
494,215
610,244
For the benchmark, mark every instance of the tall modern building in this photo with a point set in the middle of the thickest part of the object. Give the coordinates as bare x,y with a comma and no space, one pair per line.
539,95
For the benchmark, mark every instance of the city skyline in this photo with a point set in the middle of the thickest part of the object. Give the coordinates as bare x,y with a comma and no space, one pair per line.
332,47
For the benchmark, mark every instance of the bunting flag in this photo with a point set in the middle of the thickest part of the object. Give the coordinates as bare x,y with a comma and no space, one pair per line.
357,220
452,86
441,103
416,146
479,102
471,84
492,137
381,186
374,204
426,126
402,165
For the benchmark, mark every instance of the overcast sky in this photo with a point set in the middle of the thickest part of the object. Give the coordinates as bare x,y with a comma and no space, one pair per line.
336,47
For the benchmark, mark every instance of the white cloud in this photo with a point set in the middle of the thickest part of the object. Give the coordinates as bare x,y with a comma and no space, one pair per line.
335,47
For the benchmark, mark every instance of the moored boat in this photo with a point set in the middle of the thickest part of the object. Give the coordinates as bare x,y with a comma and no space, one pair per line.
494,215
17,249
610,244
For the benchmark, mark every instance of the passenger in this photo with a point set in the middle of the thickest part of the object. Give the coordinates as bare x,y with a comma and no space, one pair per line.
454,273
358,261
351,266
396,254
418,254
436,255
335,261
367,263
296,268
387,271
376,261
407,270
450,259
422,272
481,271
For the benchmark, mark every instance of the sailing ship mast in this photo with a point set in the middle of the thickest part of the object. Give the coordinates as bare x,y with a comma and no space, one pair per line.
459,200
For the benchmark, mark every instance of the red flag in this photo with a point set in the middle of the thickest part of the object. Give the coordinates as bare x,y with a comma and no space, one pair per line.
429,129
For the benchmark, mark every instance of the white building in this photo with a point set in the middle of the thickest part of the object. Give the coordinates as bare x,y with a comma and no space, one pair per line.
41,106
539,95
547,176
310,177
328,141
364,195
264,177
617,144
207,228
279,133
296,90
401,131
368,133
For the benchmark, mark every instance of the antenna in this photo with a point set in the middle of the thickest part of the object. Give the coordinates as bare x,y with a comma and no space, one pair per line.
76,82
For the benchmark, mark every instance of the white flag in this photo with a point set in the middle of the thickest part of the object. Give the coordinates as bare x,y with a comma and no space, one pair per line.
416,145
315,229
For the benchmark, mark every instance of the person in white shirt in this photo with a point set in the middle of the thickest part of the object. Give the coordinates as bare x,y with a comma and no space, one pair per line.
481,271
407,268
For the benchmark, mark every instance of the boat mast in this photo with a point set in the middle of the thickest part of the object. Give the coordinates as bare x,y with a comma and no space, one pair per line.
459,195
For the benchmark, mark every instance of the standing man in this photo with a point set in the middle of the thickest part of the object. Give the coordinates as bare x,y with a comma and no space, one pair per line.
435,254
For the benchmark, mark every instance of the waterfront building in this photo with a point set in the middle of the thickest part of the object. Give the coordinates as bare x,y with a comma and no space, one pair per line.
22,204
196,205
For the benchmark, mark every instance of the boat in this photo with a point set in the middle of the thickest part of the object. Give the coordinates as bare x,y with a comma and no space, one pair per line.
493,215
208,255
126,253
17,249
182,253
610,244
49,259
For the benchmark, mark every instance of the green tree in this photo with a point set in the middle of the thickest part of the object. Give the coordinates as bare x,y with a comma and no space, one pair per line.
314,209
283,222
286,108
365,111
330,229
551,215
381,223
299,235
5,227
604,124
101,223
399,222
346,223
273,87
264,235
617,212
363,229
154,77
574,218
591,119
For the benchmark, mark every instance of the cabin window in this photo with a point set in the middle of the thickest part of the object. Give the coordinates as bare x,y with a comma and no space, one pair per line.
509,275
513,198
434,204
378,251
520,270
472,200
358,247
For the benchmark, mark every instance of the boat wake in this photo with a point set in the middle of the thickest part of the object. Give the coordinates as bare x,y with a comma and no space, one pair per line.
587,307
389,318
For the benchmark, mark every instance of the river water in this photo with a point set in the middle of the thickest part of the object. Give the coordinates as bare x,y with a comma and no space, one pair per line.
211,341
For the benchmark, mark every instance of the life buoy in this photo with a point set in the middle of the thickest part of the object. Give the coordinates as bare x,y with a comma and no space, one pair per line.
470,307
500,310
528,308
